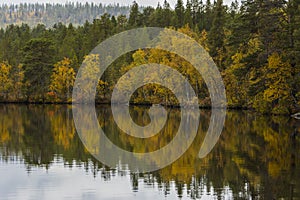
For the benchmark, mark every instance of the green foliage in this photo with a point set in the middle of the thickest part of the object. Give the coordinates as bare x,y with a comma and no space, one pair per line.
256,46
134,17
188,14
216,34
178,19
38,64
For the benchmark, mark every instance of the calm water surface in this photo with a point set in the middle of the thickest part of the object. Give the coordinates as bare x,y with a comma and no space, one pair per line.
42,157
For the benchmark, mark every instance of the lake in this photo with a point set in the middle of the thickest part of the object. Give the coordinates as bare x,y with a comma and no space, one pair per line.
43,157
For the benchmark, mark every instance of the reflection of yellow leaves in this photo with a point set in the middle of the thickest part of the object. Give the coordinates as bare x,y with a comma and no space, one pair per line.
11,124
274,169
92,141
63,128
276,151
4,137
64,138
239,161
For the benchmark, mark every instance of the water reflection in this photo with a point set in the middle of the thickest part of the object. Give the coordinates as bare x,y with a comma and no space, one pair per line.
256,157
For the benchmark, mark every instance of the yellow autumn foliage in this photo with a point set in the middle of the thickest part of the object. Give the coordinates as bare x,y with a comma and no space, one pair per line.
62,80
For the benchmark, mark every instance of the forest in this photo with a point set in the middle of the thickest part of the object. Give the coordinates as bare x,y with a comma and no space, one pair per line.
50,14
255,44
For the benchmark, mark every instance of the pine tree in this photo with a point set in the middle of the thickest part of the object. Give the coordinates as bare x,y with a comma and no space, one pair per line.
179,14
195,9
293,11
188,15
208,17
216,35
166,15
134,15
271,28
38,64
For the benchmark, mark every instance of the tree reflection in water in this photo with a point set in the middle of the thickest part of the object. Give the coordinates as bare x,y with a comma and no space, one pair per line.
256,156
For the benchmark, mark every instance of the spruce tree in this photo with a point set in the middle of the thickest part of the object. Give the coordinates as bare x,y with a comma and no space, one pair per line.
216,34
179,14
134,15
38,63
188,14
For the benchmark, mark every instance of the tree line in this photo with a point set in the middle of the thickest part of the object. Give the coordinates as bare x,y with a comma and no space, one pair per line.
255,44
49,14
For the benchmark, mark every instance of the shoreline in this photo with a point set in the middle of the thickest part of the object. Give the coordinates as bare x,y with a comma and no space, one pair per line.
235,108
229,108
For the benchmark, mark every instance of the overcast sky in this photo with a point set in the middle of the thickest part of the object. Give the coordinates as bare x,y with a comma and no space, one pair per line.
121,2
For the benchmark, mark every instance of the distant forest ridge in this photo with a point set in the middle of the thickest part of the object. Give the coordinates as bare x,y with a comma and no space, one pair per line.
50,14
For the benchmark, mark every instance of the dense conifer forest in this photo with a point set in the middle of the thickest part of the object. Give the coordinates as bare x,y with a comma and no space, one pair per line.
255,44
50,14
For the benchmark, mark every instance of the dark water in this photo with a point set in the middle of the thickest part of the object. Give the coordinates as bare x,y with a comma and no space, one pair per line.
42,157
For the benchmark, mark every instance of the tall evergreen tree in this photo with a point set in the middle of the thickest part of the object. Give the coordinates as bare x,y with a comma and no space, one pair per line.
38,63
179,14
166,14
216,35
271,27
208,18
294,38
134,15
188,14
195,7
